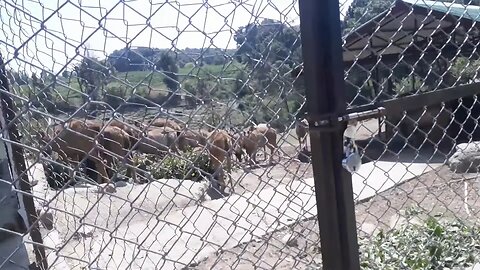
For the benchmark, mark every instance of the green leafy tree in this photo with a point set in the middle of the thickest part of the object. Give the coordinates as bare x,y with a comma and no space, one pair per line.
269,41
464,71
168,65
92,75
240,87
125,60
362,11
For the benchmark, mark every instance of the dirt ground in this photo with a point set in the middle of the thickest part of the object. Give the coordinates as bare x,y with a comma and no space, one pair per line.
298,246
439,193
286,170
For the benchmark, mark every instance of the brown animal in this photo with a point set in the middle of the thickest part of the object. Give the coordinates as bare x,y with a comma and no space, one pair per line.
191,139
301,129
72,142
158,141
117,139
117,143
218,145
257,136
132,132
162,122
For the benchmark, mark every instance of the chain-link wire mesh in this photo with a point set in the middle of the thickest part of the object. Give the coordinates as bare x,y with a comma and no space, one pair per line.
140,123
416,193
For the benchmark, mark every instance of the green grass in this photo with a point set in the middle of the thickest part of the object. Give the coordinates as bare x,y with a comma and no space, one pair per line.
147,84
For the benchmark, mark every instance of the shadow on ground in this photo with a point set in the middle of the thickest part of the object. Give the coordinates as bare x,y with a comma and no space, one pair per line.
398,150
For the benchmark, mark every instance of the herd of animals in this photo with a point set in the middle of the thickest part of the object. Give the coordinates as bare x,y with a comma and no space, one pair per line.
103,143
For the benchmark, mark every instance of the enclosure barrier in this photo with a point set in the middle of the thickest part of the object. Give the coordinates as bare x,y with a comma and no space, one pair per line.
224,134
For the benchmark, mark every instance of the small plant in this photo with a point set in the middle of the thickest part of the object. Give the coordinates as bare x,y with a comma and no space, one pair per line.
434,244
409,84
190,165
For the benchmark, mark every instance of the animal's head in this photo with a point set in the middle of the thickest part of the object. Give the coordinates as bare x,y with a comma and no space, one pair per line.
237,141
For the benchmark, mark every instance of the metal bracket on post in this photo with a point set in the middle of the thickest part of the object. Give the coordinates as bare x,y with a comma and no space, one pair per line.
330,123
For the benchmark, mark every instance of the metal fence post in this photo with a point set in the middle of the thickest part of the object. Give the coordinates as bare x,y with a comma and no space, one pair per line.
322,54
18,168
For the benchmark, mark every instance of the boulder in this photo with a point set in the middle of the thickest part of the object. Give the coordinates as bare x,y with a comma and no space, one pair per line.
466,159
304,155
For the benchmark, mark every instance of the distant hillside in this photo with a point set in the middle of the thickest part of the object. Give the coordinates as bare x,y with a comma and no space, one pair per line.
143,58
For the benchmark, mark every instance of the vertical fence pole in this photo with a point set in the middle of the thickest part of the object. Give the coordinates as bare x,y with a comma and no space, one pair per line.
18,167
323,73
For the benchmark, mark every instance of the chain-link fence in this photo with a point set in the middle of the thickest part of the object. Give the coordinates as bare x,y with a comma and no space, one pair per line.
139,126
416,193
173,134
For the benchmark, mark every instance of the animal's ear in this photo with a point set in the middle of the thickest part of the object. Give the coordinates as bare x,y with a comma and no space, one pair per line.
252,128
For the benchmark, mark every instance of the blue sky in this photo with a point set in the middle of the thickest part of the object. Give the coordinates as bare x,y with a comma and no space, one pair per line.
48,33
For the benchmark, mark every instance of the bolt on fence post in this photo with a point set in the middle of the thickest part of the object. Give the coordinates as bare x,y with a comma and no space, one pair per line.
18,169
323,73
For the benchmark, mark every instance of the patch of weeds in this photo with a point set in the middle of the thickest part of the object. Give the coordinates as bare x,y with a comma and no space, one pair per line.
190,165
433,244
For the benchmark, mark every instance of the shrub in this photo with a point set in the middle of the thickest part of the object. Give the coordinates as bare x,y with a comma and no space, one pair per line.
433,244
115,95
190,166
408,85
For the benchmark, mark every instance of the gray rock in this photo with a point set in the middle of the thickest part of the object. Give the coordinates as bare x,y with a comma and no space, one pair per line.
46,218
290,240
466,159
106,188
121,184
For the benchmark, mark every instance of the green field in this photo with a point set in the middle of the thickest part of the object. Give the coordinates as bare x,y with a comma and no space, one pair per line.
147,84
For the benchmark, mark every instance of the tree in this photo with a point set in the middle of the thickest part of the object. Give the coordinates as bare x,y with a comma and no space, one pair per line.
362,11
44,98
168,65
269,41
265,48
240,87
125,60
91,75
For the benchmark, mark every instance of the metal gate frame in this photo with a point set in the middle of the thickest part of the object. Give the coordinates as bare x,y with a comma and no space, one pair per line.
323,73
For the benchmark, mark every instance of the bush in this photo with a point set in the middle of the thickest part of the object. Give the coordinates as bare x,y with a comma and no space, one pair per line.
190,166
434,244
115,95
404,86
465,70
